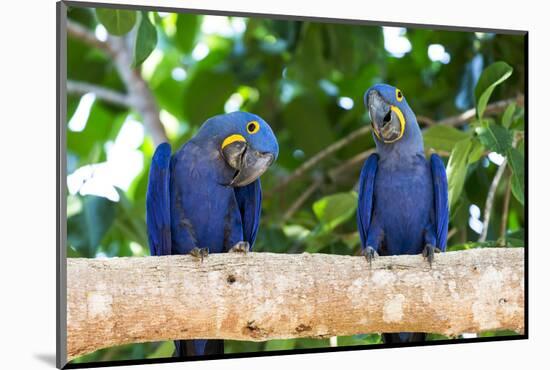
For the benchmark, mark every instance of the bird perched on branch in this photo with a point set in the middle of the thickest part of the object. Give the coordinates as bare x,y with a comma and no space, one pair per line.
206,198
403,200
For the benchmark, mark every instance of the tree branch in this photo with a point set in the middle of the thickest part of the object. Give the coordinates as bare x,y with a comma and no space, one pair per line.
457,120
108,95
262,296
493,108
331,149
139,94
298,203
353,162
491,200
82,33
333,174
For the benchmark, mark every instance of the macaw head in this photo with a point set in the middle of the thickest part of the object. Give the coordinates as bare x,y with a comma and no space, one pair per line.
244,141
393,121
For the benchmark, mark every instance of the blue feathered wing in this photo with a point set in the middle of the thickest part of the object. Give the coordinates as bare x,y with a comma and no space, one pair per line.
366,195
249,200
441,201
158,202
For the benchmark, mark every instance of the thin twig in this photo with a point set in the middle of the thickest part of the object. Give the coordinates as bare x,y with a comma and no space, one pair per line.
301,199
492,108
491,200
310,163
108,95
353,162
452,233
333,174
424,120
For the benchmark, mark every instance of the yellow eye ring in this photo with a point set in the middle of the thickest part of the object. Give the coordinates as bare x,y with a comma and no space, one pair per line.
398,95
252,127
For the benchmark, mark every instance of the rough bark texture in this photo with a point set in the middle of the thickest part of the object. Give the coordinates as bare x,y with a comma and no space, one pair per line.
261,296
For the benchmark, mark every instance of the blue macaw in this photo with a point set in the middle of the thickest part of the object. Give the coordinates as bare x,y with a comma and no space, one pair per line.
207,196
403,200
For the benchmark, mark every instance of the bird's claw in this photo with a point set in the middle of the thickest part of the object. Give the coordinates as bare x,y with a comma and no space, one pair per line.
370,254
429,252
240,247
199,253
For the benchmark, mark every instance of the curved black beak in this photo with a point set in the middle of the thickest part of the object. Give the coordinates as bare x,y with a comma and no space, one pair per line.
248,163
385,123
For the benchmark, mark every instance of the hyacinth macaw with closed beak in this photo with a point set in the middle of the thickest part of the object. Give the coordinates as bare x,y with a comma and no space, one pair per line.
403,204
207,196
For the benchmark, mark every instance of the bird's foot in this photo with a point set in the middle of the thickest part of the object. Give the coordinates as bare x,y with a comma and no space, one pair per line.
199,253
429,252
370,254
240,247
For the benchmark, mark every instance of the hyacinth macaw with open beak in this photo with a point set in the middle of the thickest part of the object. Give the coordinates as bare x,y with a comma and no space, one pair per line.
206,198
403,200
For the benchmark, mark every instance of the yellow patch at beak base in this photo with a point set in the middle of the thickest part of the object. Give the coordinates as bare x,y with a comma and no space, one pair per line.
401,122
231,139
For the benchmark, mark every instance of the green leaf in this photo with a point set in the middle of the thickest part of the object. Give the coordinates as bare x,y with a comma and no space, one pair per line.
516,162
359,339
518,121
165,350
461,213
305,117
117,22
86,229
205,95
457,169
296,232
146,40
280,344
473,245
516,239
319,239
495,138
491,77
441,137
130,220
433,336
311,47
508,115
498,333
521,147
476,152
187,27
101,126
335,209
311,343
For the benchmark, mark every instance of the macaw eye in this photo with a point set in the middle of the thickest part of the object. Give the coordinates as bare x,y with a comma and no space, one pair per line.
398,94
252,127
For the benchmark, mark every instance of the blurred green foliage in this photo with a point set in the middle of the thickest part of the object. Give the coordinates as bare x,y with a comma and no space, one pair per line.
307,80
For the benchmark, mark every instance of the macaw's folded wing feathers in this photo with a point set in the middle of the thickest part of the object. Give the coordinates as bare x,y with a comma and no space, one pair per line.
366,194
158,202
441,201
249,199
206,197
